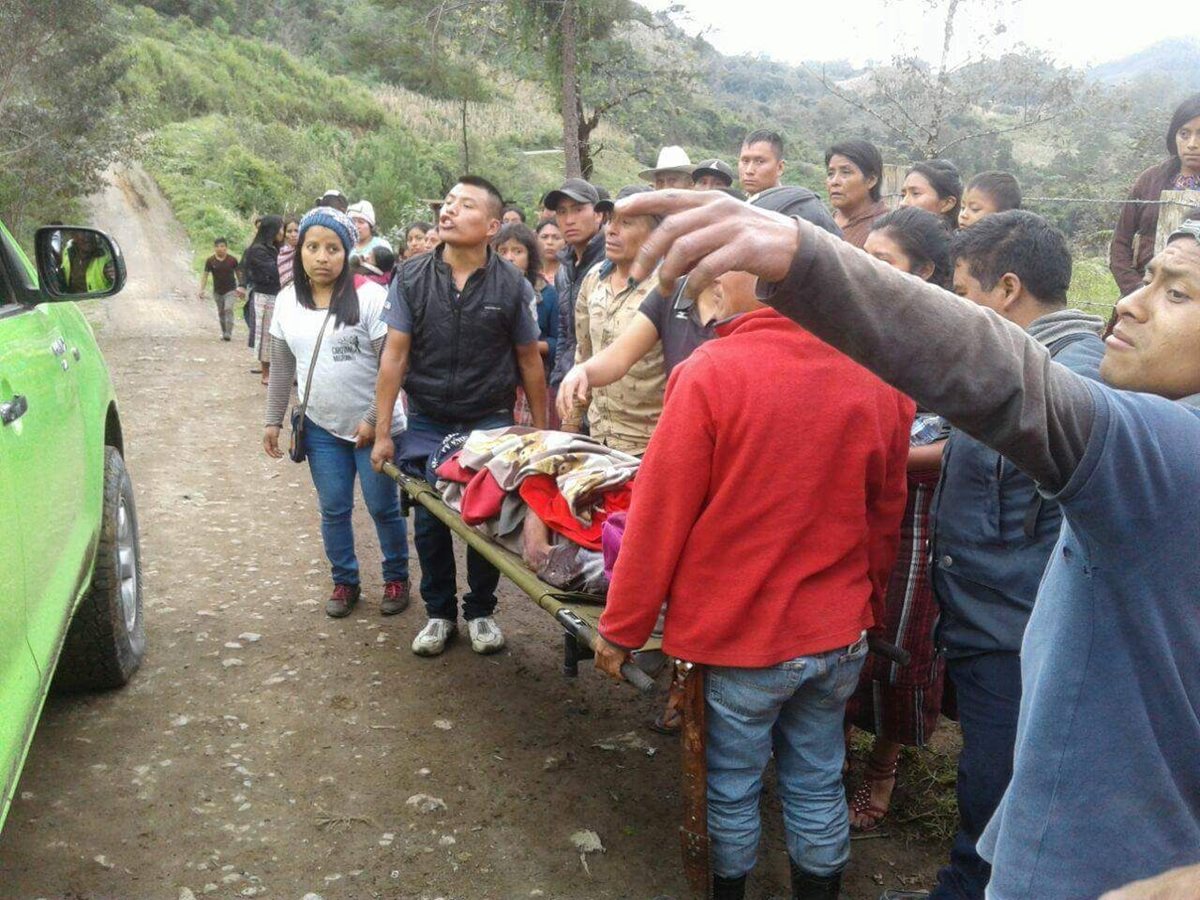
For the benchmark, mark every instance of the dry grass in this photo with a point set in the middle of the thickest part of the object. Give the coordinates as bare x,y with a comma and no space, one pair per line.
923,804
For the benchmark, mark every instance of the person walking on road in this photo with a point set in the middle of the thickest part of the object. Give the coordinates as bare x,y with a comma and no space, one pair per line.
222,265
261,266
328,336
460,335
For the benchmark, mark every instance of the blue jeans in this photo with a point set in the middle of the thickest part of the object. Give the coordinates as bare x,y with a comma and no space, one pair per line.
333,463
795,708
988,687
435,542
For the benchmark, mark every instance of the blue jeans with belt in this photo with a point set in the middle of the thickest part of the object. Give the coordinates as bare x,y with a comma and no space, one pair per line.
334,462
796,709
434,541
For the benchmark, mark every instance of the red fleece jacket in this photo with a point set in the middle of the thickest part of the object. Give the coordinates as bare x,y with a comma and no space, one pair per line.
768,504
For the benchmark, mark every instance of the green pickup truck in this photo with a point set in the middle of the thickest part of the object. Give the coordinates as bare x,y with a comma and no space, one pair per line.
70,570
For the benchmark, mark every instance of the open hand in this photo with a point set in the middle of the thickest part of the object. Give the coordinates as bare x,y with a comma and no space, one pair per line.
271,442
708,233
573,391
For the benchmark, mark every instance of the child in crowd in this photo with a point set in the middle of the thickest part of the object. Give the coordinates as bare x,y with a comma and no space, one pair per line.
987,193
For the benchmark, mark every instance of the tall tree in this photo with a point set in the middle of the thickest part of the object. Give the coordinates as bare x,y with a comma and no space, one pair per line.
929,108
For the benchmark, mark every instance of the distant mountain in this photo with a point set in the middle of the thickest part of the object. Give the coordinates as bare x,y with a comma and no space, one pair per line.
1175,60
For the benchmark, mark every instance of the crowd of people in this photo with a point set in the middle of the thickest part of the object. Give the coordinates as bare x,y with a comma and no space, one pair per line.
830,444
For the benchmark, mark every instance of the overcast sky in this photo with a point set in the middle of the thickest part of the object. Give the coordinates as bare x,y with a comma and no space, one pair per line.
1075,32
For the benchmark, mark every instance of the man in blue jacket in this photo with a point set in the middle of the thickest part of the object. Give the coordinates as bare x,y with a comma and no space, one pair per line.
992,532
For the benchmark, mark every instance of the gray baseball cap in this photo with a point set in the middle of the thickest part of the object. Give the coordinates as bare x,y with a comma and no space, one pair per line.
716,167
572,189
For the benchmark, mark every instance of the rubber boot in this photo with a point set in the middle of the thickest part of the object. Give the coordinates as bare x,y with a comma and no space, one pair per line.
729,888
807,886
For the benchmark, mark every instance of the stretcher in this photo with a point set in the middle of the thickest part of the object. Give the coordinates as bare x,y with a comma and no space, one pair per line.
579,615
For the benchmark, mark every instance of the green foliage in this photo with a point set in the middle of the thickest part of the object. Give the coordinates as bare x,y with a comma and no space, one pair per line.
177,71
60,118
1093,288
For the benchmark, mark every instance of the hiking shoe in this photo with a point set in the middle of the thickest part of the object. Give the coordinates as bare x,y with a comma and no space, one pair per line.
395,597
485,635
432,639
342,600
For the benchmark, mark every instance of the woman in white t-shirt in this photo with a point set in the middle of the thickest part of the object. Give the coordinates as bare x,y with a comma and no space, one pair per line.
339,427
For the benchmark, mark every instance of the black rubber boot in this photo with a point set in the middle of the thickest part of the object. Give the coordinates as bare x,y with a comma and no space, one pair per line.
729,888
807,886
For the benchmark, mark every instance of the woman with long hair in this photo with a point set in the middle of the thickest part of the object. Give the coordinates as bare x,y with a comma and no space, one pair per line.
935,186
551,243
518,244
328,336
414,239
854,179
260,262
287,253
900,706
1180,171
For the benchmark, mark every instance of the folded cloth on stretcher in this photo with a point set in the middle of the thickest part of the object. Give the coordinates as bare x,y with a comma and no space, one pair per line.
570,483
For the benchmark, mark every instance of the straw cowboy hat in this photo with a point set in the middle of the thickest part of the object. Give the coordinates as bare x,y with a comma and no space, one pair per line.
670,159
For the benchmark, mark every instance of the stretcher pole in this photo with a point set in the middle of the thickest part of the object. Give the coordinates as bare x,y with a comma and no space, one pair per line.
512,567
693,832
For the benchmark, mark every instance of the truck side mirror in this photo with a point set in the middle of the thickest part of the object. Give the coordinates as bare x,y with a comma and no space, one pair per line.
76,263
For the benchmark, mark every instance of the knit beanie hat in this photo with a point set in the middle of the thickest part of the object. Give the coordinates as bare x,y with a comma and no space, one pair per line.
336,221
363,209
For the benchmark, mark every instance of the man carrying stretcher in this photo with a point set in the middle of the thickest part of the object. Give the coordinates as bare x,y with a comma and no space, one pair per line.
767,516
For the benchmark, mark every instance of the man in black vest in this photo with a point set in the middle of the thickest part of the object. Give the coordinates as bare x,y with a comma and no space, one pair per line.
460,332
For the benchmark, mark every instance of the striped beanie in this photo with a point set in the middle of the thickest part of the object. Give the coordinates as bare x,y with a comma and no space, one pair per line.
335,220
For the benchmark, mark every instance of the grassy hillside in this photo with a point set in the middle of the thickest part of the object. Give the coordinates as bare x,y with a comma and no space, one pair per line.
236,127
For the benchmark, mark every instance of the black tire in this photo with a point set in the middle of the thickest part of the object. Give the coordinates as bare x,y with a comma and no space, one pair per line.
104,646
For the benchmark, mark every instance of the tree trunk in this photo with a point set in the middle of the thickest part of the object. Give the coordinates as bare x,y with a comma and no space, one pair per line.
570,91
466,146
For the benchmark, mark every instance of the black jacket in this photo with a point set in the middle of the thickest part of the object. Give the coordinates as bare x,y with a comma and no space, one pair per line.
567,280
260,266
462,364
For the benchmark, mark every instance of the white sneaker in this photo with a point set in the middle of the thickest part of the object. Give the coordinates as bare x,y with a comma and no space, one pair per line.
486,636
431,640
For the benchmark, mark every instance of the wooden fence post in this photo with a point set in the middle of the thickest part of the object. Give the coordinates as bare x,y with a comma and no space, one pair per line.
893,180
1171,216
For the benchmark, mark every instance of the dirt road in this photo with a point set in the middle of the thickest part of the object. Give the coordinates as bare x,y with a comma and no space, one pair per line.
265,750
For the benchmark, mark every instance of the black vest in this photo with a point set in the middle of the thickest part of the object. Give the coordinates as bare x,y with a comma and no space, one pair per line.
462,365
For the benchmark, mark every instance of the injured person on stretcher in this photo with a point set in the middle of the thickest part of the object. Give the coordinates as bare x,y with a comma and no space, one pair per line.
557,500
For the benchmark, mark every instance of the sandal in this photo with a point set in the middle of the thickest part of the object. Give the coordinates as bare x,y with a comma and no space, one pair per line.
860,801
670,719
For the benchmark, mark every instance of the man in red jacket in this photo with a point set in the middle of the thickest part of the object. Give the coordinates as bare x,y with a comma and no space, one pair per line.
767,516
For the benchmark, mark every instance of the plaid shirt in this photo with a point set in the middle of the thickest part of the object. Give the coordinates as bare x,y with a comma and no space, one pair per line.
623,415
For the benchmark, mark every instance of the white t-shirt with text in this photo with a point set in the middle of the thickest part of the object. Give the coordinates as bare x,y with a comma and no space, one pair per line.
343,383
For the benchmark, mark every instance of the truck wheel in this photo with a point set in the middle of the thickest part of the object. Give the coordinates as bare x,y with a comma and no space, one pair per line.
107,638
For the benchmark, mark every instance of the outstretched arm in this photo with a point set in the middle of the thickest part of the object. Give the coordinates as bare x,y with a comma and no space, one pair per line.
981,372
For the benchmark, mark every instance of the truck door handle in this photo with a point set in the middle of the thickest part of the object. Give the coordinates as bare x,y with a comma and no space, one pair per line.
13,409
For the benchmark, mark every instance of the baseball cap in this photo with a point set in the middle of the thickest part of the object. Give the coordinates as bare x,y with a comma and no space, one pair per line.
606,205
572,189
717,167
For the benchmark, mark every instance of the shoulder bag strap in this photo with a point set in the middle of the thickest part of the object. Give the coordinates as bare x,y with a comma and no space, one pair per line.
312,365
